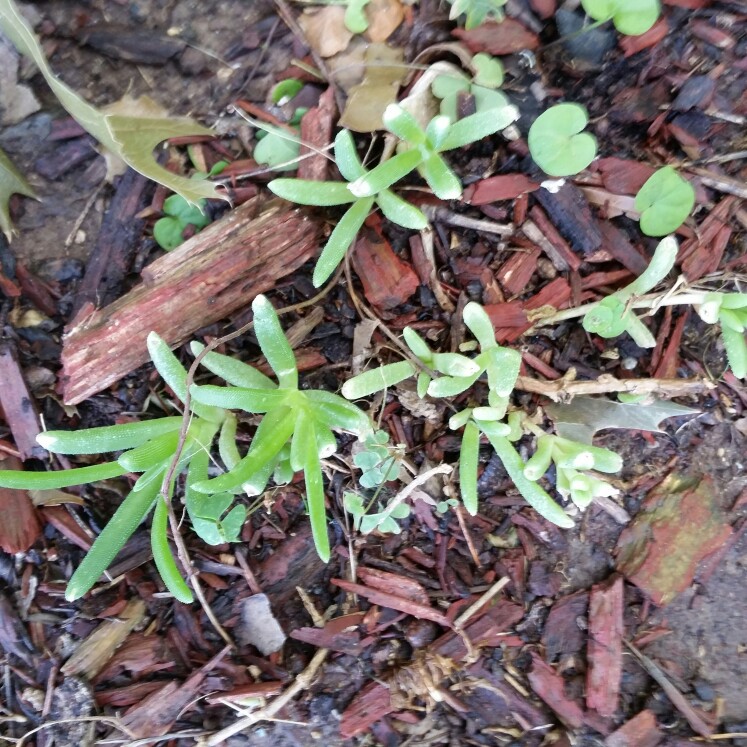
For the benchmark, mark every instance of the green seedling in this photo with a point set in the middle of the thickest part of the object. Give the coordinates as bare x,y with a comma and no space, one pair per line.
301,420
730,311
477,11
557,142
614,315
148,448
630,17
378,461
459,373
664,202
488,76
384,521
179,215
337,193
421,149
571,460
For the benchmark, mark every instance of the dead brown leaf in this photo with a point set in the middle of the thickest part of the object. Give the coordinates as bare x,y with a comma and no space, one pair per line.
325,29
384,16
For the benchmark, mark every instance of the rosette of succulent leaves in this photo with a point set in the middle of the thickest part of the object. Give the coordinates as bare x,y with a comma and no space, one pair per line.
148,448
450,374
419,150
294,435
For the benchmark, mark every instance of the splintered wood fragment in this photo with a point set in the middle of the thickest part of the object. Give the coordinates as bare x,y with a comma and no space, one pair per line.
18,407
622,175
496,188
516,272
316,131
393,583
20,526
550,687
116,242
569,211
702,254
211,275
387,280
630,45
604,651
641,731
96,650
507,37
561,254
618,245
510,320
394,602
154,716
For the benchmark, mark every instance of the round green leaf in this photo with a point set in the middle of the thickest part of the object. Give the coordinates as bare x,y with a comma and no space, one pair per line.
488,70
631,17
664,202
557,143
284,91
168,233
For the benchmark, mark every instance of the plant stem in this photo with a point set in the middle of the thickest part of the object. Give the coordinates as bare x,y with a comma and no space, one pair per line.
651,301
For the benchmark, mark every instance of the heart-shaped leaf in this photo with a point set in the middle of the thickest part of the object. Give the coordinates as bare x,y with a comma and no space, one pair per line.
664,202
631,17
557,143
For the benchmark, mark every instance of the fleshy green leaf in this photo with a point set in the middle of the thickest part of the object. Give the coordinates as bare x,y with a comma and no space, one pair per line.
441,179
488,70
557,143
265,447
334,412
478,322
235,398
20,480
342,236
355,16
106,438
534,495
736,351
401,212
277,148
153,452
234,371
664,202
120,528
385,174
477,126
402,124
346,156
312,470
274,344
377,379
468,458
307,192
164,558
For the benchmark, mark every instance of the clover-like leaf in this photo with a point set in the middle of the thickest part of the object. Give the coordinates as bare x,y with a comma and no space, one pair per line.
630,17
664,202
488,70
557,142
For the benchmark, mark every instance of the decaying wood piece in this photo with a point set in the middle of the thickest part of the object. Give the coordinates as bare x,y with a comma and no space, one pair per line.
17,406
208,277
